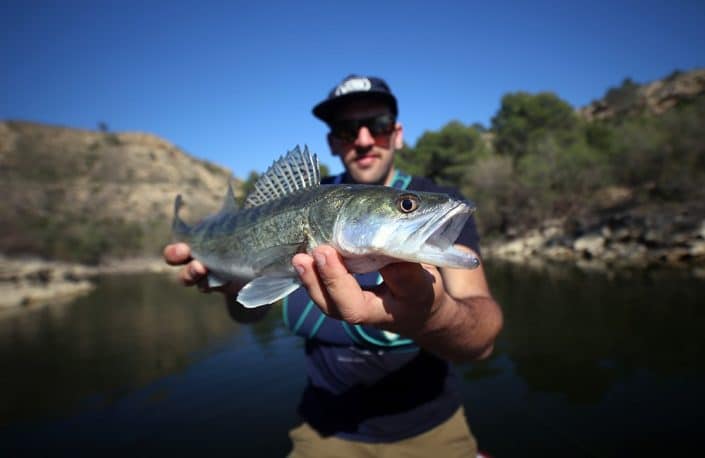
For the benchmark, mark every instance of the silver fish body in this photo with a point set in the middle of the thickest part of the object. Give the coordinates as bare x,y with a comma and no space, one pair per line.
370,226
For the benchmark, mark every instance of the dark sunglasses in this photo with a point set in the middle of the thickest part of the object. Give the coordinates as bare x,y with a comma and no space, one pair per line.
347,129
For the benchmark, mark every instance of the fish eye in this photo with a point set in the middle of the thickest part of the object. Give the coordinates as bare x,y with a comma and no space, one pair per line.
407,203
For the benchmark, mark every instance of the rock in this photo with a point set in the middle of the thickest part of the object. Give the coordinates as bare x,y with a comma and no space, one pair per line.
613,197
552,232
697,249
520,249
630,253
655,237
559,253
624,234
592,245
701,231
606,232
677,255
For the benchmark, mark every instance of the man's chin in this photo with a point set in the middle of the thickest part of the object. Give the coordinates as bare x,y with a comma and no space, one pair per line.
367,176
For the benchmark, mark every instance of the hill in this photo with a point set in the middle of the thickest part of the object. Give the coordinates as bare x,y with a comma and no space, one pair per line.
87,196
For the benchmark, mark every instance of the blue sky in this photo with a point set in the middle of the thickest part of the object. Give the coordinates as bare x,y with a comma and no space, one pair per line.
234,82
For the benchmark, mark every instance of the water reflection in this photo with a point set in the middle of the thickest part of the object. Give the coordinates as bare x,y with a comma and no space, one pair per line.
592,364
572,325
128,332
588,365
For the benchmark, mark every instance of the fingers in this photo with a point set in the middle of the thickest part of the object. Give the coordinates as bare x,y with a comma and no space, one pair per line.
408,294
177,254
329,283
194,273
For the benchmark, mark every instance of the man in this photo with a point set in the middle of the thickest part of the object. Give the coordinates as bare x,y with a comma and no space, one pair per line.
378,378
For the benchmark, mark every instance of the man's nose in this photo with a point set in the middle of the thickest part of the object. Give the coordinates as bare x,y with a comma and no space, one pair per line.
364,137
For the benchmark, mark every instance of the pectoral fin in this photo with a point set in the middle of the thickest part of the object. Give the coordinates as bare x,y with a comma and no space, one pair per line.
266,290
262,260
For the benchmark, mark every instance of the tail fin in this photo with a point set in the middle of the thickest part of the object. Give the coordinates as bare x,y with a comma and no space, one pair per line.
178,227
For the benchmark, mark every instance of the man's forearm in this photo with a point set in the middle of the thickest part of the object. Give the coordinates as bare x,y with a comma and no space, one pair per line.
462,330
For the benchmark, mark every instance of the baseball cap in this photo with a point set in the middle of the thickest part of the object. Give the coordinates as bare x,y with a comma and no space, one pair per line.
355,87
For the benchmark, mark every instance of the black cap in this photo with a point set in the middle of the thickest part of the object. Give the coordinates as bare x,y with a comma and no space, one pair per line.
355,87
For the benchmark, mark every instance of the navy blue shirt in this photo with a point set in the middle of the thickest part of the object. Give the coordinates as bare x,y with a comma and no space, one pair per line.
366,384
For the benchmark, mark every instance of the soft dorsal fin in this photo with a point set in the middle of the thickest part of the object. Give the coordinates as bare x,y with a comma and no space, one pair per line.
229,202
178,227
295,171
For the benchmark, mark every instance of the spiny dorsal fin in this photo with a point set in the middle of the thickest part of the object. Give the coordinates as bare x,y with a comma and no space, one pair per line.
295,171
229,202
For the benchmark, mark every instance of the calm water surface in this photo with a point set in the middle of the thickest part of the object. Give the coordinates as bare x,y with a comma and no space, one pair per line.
588,365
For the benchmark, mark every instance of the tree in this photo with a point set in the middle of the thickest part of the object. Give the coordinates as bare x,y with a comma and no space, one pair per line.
444,156
523,116
625,98
247,187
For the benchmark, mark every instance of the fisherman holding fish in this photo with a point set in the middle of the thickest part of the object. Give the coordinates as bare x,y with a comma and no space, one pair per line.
393,289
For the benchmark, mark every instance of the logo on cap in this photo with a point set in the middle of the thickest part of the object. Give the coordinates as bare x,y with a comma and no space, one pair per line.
353,85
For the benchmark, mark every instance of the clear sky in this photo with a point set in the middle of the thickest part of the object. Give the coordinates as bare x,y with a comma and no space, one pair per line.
234,82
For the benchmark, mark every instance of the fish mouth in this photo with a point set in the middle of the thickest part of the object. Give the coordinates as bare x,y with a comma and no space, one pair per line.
437,236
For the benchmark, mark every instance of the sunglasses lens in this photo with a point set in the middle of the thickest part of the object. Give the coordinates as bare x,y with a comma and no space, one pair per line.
381,125
347,129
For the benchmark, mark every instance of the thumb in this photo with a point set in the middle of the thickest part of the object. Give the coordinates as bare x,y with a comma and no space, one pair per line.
329,265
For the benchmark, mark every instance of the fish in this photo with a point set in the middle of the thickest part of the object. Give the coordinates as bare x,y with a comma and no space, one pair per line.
289,211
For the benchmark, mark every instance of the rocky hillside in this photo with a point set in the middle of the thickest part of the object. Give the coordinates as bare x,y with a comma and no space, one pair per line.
656,97
656,215
80,195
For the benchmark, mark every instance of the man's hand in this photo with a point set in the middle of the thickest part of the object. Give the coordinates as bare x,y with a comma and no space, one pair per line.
401,304
449,312
193,272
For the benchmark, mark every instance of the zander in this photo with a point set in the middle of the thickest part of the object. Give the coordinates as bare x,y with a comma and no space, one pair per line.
290,212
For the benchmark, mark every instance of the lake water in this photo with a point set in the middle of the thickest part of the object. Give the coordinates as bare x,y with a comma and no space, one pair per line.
587,365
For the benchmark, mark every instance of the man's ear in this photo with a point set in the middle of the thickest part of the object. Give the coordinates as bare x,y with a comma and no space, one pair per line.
398,136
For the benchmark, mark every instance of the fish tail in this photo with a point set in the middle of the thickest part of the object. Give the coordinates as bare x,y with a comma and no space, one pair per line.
178,227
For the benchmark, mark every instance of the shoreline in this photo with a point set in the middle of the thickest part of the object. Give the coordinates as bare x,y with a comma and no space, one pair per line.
30,282
606,248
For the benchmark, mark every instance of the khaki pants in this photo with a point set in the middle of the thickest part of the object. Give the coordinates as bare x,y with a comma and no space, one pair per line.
451,438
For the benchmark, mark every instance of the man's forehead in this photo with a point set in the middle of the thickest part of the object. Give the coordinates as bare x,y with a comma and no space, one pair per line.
361,108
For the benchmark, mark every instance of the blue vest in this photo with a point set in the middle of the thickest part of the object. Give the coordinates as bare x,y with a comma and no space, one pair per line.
364,383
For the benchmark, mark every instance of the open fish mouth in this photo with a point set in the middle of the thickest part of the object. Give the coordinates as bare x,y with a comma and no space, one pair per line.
439,234
442,231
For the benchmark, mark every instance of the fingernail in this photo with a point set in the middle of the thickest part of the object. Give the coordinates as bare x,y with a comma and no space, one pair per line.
299,268
320,259
192,272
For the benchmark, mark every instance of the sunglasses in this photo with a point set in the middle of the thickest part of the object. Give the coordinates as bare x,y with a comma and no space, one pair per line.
347,129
